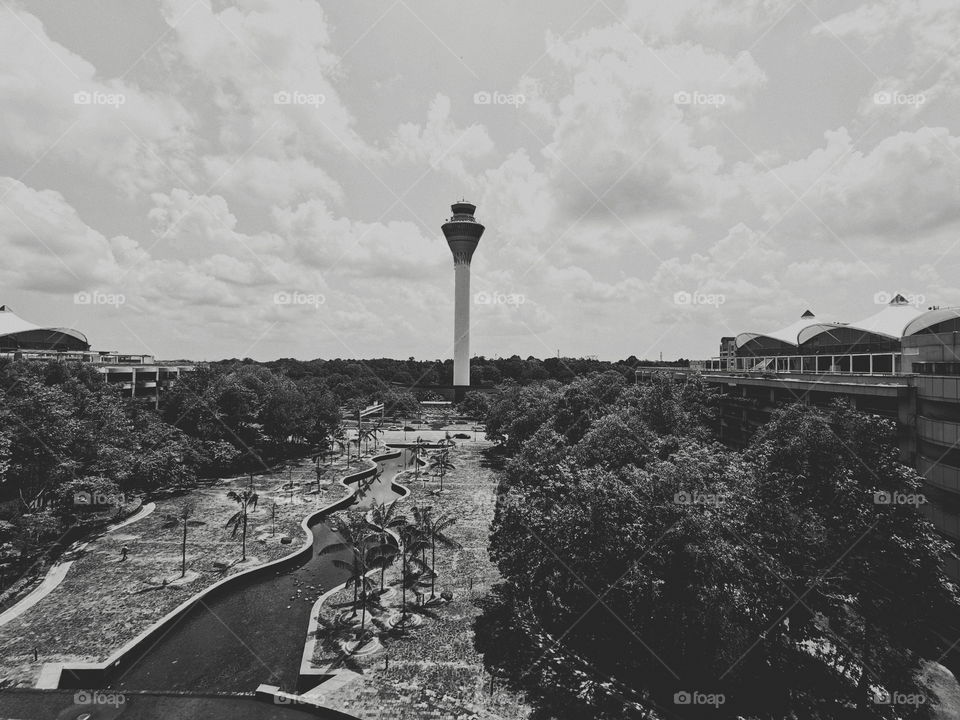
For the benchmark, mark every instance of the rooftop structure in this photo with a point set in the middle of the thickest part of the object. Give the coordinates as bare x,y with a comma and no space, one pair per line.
16,334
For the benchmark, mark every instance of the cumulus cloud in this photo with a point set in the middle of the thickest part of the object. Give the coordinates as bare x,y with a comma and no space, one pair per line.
56,104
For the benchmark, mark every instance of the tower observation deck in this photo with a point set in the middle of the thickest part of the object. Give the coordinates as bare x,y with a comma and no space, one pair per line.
463,233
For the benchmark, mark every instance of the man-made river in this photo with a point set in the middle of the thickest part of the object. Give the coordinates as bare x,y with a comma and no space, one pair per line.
254,632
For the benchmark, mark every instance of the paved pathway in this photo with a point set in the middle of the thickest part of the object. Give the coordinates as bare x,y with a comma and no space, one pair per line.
58,571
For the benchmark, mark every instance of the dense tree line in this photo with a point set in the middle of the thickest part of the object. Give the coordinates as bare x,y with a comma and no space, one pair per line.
648,567
377,377
245,415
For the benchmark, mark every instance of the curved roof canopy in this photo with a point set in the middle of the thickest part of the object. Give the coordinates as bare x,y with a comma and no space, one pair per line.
890,322
14,330
929,318
788,335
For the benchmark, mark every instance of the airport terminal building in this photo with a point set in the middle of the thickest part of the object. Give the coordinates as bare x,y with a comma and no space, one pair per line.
902,362
138,376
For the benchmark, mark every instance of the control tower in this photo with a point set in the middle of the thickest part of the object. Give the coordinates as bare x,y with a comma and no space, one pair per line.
463,234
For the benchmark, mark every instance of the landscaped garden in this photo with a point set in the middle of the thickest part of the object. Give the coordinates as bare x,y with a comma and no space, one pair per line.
105,601
423,664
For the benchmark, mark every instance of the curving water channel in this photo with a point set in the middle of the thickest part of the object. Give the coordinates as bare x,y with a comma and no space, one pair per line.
255,632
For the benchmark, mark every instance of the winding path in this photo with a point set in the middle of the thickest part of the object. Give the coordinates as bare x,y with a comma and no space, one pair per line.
58,571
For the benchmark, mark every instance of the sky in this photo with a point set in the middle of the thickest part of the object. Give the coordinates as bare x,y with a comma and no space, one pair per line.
204,180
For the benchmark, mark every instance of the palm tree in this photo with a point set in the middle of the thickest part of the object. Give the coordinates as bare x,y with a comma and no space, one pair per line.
412,544
352,536
183,518
357,568
238,521
434,530
440,462
418,449
382,517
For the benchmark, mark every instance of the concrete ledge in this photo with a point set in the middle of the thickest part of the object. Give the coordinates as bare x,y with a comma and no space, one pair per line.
273,694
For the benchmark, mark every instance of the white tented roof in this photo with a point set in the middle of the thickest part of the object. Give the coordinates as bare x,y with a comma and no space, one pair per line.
788,334
891,321
11,324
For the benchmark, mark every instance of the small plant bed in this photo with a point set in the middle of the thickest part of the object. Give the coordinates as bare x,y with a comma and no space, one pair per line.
427,665
105,600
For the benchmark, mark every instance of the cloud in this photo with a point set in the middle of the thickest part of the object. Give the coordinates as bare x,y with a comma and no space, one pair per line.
46,246
922,35
901,190
439,142
57,105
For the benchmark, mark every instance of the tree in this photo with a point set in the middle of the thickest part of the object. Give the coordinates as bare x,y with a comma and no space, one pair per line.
440,463
183,518
474,405
247,500
434,529
516,413
772,576
419,448
412,545
382,517
352,535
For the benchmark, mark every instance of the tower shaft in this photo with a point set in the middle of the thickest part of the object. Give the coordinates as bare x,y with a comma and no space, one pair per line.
461,324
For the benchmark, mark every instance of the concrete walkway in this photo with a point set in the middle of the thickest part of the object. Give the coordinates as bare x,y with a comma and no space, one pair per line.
59,569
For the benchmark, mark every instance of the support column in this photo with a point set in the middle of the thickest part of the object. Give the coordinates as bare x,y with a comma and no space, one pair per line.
461,323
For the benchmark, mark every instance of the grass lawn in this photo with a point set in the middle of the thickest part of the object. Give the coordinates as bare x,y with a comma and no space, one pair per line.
104,602
431,669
